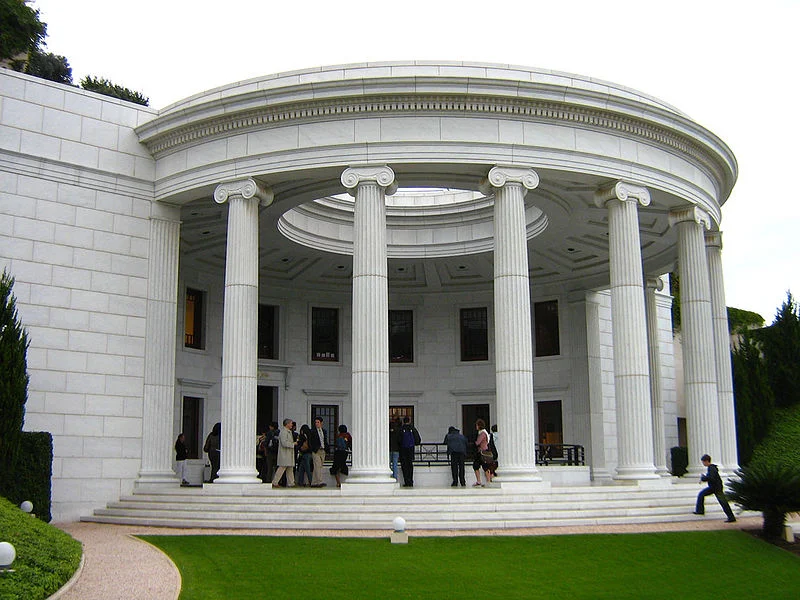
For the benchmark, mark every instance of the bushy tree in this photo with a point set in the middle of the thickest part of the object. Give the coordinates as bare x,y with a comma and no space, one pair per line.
741,321
13,377
49,66
781,350
101,85
771,489
20,28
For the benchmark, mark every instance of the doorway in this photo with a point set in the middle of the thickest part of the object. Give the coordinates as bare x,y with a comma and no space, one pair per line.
549,420
471,413
266,399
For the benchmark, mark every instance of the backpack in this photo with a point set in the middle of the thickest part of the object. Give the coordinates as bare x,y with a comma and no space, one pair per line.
341,443
407,438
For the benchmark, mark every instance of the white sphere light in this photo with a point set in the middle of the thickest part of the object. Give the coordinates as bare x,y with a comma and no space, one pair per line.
7,555
26,506
399,524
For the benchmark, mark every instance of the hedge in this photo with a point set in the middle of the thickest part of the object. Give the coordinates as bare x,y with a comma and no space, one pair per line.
30,479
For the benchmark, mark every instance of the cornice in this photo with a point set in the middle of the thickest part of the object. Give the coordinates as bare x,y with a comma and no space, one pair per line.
160,137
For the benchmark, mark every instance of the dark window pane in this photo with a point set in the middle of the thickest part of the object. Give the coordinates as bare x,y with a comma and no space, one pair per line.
325,334
545,318
401,336
400,412
193,425
474,334
267,331
193,319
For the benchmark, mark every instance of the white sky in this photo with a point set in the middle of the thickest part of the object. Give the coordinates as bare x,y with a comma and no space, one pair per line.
730,65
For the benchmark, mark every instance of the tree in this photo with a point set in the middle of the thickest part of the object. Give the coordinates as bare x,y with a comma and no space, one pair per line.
753,396
13,377
781,349
21,29
101,85
741,321
49,66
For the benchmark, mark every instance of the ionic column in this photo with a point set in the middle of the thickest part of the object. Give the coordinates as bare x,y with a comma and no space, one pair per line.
652,285
699,363
369,185
240,329
159,356
629,330
512,323
728,458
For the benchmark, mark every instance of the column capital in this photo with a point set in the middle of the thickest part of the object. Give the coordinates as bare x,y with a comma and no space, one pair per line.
622,191
247,188
382,176
714,239
654,283
690,214
500,175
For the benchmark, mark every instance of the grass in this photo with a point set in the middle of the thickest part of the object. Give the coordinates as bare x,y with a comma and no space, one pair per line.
46,557
697,565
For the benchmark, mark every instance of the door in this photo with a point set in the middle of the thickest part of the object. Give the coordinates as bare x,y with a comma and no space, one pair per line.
266,398
471,413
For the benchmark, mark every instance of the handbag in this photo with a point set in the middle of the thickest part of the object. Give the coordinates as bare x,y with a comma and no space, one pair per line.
487,457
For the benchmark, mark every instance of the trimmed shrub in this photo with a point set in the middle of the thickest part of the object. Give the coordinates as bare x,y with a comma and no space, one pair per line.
772,489
31,478
782,444
46,556
679,458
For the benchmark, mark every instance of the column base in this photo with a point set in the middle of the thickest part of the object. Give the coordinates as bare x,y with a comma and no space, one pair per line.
518,474
156,479
663,472
238,476
636,473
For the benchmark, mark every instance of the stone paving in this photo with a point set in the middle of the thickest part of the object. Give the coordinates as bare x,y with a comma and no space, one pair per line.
118,566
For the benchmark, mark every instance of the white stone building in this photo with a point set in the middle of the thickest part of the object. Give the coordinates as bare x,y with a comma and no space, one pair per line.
439,240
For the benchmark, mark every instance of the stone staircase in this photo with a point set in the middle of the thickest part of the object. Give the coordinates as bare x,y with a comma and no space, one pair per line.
261,507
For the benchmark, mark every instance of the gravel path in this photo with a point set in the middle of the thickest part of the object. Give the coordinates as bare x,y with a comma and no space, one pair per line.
118,566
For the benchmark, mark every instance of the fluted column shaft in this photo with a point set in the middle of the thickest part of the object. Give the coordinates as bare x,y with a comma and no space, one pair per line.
512,323
370,376
159,361
629,331
728,458
240,331
656,398
699,364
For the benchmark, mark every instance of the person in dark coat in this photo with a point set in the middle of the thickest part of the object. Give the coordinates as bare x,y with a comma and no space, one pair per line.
181,454
457,450
343,445
408,438
714,482
211,447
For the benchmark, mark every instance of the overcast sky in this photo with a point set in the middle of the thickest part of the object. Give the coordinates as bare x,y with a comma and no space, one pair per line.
730,65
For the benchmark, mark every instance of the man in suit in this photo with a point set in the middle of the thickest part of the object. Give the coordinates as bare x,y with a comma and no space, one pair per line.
318,442
714,482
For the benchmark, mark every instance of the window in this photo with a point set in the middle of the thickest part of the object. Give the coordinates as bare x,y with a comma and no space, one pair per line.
474,334
325,334
545,319
267,331
193,319
401,336
192,422
401,412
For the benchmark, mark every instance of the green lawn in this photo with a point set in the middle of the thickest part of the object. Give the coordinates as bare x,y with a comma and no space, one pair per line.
695,565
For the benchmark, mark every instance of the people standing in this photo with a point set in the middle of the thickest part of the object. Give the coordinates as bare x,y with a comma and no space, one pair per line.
261,453
286,446
408,439
304,461
343,445
181,454
457,450
483,456
318,442
212,448
394,446
272,451
714,481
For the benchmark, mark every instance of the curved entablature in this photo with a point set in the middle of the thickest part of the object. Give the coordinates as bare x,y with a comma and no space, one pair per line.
402,90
